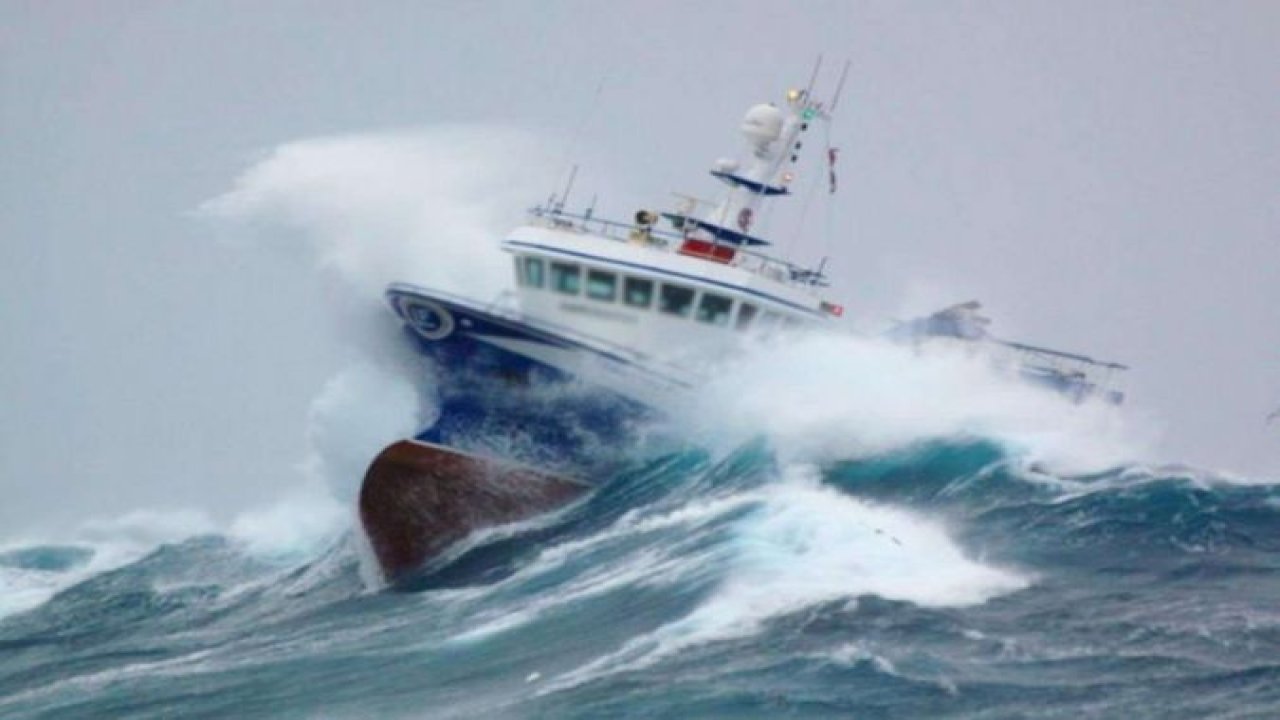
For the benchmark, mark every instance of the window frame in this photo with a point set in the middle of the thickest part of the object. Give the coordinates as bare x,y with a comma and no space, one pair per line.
563,270
527,262
612,283
719,319
649,293
685,310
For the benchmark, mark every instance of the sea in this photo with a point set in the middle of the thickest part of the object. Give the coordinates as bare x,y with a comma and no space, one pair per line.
844,530
941,576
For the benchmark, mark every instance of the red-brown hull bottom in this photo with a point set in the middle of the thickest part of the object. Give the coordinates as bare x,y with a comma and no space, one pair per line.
419,499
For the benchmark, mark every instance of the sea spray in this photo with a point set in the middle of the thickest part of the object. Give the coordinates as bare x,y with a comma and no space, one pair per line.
422,206
827,396
357,413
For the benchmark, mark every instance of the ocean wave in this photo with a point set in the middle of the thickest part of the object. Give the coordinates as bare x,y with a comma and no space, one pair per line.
931,579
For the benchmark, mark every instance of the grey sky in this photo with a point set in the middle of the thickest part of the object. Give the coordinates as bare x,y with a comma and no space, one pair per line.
1104,176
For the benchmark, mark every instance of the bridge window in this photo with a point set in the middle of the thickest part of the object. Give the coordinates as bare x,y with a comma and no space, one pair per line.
566,278
637,292
602,285
746,313
675,300
533,272
714,309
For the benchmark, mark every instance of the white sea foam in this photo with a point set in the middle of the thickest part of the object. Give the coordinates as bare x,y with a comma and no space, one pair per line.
145,529
357,413
425,206
422,206
807,545
827,396
294,529
672,562
112,542
853,653
22,590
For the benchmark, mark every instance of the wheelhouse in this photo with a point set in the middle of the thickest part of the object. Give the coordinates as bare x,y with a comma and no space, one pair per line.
638,294
696,282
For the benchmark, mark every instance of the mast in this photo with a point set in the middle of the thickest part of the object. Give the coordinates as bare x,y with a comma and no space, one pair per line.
773,138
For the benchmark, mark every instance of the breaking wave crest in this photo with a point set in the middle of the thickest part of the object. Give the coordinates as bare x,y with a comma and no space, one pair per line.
729,581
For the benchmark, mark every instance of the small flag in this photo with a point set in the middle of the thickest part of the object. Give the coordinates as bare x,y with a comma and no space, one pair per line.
831,167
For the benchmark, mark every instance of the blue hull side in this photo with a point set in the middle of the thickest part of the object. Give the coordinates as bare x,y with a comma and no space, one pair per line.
502,395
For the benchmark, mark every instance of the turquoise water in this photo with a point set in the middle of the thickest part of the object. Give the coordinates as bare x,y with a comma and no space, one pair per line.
947,579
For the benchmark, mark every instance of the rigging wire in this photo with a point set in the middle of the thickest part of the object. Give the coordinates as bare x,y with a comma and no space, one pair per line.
566,165
832,155
829,211
811,187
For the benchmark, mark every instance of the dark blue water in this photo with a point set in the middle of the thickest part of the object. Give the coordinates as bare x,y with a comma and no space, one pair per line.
945,580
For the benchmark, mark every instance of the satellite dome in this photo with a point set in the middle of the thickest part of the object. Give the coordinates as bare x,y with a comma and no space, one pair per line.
762,124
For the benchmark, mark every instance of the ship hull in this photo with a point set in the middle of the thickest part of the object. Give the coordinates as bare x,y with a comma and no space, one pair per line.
417,500
529,419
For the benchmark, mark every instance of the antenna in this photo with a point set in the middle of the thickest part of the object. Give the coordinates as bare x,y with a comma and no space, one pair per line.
578,131
564,197
817,65
839,88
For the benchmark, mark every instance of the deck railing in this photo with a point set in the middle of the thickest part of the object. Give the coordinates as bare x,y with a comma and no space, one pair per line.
754,262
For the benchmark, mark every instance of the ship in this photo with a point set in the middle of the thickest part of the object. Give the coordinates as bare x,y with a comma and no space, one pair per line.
609,324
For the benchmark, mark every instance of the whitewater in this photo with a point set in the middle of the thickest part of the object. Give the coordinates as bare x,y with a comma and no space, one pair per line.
944,579
846,530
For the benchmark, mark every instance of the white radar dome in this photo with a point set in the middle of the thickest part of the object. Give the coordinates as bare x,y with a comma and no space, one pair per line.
762,124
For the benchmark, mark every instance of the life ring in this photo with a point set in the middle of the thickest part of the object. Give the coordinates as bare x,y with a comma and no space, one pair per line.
429,320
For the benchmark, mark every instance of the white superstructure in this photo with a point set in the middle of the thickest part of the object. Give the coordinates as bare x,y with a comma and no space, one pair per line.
687,290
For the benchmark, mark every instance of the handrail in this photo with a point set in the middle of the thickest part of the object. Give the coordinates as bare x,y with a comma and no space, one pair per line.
1033,350
606,226
767,266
